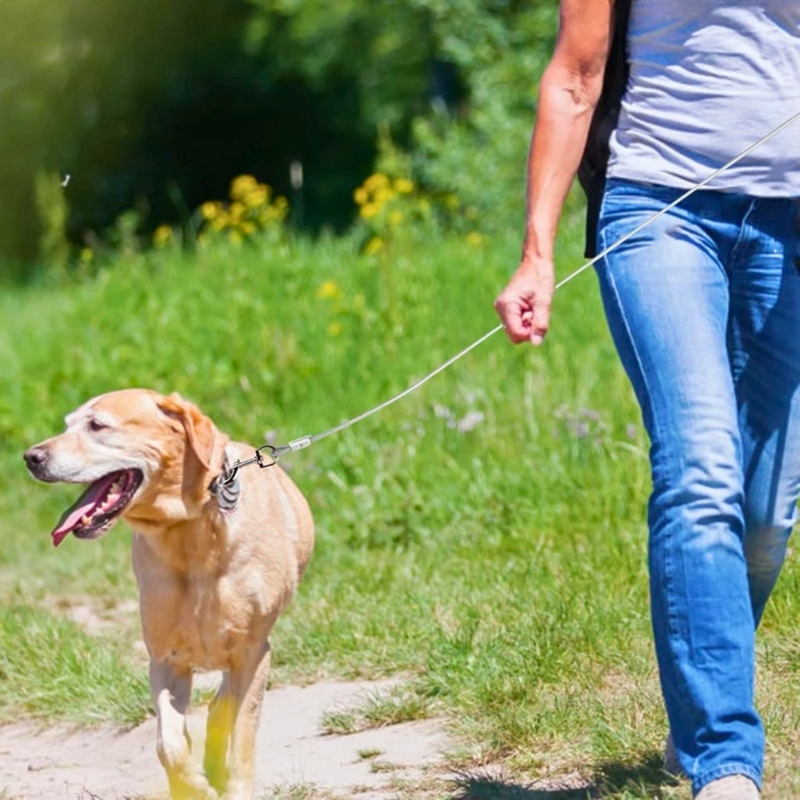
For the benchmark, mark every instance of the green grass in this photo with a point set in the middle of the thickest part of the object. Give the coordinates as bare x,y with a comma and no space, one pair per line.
48,666
369,752
503,568
376,710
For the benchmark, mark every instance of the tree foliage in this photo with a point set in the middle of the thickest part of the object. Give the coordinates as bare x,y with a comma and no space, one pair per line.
155,106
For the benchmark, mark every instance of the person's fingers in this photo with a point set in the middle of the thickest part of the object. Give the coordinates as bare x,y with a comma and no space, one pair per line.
514,317
539,322
524,305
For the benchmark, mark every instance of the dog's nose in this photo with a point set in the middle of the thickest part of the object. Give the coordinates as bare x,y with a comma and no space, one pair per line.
36,458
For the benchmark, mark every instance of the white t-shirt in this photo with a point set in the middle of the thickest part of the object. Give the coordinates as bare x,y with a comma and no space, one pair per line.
707,79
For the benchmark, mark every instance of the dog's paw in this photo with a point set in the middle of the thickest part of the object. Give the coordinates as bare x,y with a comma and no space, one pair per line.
237,790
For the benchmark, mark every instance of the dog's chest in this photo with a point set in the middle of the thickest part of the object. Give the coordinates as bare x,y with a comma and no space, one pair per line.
204,625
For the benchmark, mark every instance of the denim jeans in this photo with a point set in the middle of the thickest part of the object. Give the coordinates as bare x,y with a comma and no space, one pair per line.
704,309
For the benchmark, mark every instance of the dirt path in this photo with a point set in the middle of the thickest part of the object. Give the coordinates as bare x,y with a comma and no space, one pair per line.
105,763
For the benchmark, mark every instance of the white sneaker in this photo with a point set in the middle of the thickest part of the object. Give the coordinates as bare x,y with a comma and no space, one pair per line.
731,787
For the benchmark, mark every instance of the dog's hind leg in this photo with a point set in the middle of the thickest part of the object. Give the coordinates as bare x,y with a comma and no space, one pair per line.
171,692
248,685
221,714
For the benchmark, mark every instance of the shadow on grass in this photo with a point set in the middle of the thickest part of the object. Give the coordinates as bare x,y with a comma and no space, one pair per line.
645,779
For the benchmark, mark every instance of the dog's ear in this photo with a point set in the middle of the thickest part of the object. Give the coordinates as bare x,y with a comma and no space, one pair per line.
200,433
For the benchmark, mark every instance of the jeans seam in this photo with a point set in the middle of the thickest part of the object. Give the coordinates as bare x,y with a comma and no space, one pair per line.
742,228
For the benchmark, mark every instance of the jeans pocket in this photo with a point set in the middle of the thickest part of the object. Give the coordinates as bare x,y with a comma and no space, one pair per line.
626,204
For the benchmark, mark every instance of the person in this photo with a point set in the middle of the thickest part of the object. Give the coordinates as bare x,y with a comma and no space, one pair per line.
703,306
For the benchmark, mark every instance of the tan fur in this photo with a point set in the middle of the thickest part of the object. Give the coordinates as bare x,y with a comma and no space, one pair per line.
211,585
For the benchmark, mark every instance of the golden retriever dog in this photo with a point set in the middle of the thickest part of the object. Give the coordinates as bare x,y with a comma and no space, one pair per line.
216,562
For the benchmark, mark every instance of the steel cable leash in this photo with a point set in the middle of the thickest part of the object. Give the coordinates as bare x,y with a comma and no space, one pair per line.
274,453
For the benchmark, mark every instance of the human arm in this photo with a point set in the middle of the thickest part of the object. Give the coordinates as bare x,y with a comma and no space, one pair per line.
568,93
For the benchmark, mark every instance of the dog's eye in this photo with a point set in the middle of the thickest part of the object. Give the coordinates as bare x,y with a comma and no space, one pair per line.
96,425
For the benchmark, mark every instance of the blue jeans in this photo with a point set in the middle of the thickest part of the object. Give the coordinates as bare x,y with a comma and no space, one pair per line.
704,309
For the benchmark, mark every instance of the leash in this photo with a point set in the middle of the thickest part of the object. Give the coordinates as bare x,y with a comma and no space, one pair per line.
268,455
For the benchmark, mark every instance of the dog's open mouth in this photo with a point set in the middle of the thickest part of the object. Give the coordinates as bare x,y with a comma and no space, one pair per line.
97,509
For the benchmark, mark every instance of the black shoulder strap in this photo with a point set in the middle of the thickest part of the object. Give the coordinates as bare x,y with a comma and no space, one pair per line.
592,169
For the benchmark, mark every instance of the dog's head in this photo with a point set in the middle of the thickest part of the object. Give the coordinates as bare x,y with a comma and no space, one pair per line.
140,452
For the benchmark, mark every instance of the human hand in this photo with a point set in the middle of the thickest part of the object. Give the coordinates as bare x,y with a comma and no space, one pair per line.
524,305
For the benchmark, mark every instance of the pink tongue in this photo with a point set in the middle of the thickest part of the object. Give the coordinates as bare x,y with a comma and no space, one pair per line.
85,504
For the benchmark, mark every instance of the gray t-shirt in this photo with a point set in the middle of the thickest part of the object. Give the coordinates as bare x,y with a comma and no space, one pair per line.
707,79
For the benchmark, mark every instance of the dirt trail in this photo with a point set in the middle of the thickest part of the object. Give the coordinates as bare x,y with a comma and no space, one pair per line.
108,764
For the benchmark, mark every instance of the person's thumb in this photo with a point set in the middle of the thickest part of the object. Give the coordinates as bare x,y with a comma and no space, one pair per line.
539,322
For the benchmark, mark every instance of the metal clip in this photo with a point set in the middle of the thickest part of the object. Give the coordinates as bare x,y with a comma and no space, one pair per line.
274,454
258,458
230,475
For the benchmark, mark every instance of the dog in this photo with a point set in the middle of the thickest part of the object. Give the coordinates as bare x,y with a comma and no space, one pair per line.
216,562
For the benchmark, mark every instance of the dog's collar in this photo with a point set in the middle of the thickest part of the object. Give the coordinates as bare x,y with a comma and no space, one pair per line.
225,490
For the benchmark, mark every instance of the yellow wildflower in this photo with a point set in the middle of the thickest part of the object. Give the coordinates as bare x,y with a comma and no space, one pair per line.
334,329
238,210
376,181
242,186
161,235
257,197
384,195
361,195
404,185
328,290
395,217
369,210
235,237
247,228
220,222
211,209
474,238
374,245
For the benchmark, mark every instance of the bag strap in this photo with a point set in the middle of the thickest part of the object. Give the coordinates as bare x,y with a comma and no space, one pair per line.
592,169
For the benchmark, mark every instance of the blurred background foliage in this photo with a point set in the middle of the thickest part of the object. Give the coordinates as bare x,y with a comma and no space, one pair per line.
152,107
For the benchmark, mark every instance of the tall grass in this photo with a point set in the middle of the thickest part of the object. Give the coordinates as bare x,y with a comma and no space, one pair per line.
49,667
485,535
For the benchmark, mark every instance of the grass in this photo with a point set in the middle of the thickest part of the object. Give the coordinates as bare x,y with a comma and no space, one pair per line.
376,710
296,791
500,562
369,752
48,666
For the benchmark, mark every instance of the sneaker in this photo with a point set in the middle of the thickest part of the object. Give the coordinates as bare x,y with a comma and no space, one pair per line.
731,787
671,763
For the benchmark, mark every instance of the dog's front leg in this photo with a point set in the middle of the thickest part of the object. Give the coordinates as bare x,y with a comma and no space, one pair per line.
171,693
221,714
247,684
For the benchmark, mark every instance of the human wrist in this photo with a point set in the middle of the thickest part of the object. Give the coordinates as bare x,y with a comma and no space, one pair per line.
537,248
534,260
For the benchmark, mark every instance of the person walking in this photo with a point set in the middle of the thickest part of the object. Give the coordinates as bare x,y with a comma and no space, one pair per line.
703,306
